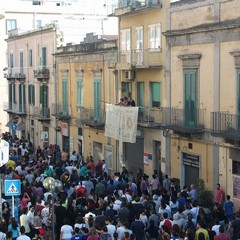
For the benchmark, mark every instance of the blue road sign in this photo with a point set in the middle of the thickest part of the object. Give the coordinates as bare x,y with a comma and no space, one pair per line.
12,187
14,127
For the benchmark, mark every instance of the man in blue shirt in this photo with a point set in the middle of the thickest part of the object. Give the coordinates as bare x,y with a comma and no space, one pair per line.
138,227
77,235
228,208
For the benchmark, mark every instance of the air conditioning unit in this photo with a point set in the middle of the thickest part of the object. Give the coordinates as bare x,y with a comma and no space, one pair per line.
129,75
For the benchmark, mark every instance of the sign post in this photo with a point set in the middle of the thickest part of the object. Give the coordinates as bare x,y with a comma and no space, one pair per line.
12,188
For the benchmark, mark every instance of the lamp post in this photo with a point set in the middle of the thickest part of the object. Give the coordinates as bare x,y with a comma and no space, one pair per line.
54,186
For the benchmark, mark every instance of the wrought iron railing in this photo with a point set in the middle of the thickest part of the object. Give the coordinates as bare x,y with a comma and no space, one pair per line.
188,118
225,123
92,116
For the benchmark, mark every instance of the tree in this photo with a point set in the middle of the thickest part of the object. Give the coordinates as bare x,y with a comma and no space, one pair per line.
205,196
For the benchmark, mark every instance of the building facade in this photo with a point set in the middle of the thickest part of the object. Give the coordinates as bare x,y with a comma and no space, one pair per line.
141,76
75,18
203,92
31,84
86,82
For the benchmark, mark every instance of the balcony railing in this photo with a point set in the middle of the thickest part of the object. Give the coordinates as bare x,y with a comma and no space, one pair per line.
151,117
14,108
92,117
61,111
139,58
125,6
42,73
184,120
226,125
16,73
41,112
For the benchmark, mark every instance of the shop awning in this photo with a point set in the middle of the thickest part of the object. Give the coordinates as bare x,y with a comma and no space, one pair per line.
9,124
21,126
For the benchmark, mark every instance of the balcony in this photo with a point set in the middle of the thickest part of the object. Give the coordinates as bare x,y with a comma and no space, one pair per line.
225,125
61,112
184,122
42,73
92,117
15,74
41,113
151,117
19,109
139,58
132,6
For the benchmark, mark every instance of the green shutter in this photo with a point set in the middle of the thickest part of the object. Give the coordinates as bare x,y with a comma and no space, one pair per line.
10,92
156,94
33,94
79,93
64,97
14,93
190,82
97,100
41,94
140,96
29,94
20,97
44,56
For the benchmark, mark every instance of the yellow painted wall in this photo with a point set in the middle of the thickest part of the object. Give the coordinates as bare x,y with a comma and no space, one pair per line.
228,78
150,135
203,149
205,81
230,10
192,17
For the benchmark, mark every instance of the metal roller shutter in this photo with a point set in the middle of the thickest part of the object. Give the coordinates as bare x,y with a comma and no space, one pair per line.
191,175
134,155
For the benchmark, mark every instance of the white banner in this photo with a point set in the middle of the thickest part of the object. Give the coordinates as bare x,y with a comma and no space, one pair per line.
121,123
4,152
112,121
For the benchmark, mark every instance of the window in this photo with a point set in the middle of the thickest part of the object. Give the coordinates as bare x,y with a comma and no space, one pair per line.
64,97
97,99
154,40
31,94
44,56
155,91
38,23
126,89
11,95
190,97
79,93
125,46
30,57
125,40
236,167
36,2
140,94
22,98
21,61
10,24
11,63
139,46
139,37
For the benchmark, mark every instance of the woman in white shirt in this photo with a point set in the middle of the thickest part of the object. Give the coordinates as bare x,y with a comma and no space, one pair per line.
66,231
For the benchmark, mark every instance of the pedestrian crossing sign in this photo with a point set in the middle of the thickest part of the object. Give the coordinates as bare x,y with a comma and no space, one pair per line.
12,187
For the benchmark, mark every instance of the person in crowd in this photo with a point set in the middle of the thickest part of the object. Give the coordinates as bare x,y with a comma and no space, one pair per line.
228,208
23,235
14,228
219,195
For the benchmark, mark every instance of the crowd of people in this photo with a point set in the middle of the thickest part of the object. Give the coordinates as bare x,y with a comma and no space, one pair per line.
93,204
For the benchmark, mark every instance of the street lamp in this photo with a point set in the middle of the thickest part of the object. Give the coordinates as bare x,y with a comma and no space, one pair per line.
54,186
